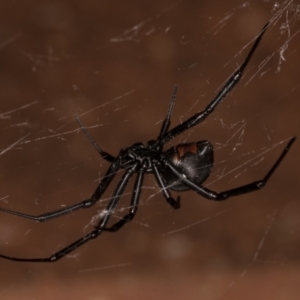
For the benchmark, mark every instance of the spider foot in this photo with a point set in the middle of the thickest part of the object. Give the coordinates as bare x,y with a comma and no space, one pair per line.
175,203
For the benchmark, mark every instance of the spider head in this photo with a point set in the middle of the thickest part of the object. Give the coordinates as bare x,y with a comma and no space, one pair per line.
132,154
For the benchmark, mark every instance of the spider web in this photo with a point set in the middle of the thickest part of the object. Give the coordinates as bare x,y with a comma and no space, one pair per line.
115,66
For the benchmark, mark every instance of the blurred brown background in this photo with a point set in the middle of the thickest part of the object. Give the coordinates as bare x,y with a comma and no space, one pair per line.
115,63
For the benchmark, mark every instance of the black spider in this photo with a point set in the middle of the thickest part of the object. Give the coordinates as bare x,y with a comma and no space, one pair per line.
183,167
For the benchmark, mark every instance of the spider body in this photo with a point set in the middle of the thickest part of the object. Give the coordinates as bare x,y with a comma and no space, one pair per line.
194,160
141,154
180,168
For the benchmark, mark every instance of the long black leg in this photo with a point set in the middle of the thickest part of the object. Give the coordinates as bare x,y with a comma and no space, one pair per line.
115,166
93,234
104,155
244,189
133,205
174,203
166,124
229,85
61,253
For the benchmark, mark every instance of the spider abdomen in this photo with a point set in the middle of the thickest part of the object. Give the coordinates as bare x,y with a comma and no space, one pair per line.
194,160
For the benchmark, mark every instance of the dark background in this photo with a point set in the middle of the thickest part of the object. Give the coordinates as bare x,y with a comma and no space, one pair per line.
115,63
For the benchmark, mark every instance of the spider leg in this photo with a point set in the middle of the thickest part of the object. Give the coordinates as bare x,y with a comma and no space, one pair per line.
174,203
110,174
61,253
228,86
104,155
166,124
93,234
133,205
244,189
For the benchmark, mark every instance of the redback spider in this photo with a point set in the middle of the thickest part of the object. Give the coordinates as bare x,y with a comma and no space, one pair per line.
183,167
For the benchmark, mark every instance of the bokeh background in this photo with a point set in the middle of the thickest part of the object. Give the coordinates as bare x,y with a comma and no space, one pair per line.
115,63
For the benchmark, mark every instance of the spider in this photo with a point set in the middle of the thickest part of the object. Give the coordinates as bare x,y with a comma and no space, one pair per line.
180,168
